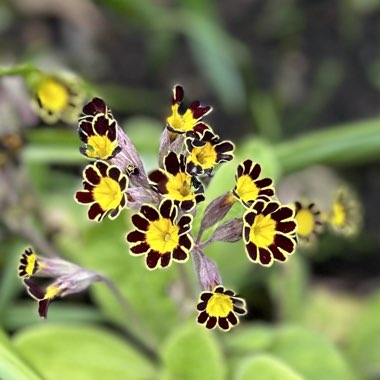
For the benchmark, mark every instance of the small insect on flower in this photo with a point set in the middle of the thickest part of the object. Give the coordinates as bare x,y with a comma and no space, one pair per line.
206,151
182,123
104,190
161,234
269,231
58,98
175,183
345,216
220,308
309,223
248,184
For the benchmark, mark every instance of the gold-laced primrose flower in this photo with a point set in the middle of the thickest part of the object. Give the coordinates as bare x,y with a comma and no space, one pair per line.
248,184
104,190
99,137
58,99
220,308
206,151
345,216
309,223
175,183
161,234
69,278
182,123
269,231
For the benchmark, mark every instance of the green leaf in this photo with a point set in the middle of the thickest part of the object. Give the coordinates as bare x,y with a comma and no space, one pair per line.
12,367
191,353
265,367
80,352
310,354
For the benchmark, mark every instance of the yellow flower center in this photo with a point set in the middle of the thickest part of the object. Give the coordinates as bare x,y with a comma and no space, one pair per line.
101,147
108,194
305,222
52,291
338,216
162,235
246,188
53,95
179,187
205,156
263,231
179,122
219,305
31,264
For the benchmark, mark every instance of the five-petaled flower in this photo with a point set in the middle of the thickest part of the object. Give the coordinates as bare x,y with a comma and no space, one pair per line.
309,223
161,234
220,308
29,264
182,123
104,190
248,184
269,231
205,151
57,99
175,183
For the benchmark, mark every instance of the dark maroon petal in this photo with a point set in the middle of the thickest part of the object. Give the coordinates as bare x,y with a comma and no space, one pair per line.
277,254
34,289
286,227
101,125
136,236
282,213
185,222
202,306
185,242
43,307
172,163
265,256
252,251
140,248
165,260
102,167
223,323
270,207
265,182
114,173
179,254
198,111
284,243
178,94
115,212
187,205
123,182
158,176
239,310
224,157
95,212
247,165
112,134
202,317
152,259
200,128
91,175
94,107
166,208
150,213
240,170
219,289
232,318
224,147
84,197
268,192
246,233
205,296
140,222
255,171
229,293
249,217
211,323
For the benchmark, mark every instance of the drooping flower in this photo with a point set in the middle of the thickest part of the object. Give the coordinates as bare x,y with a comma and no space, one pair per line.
206,151
175,183
269,231
68,278
248,184
95,107
104,190
309,223
182,123
161,234
99,136
220,308
57,98
345,216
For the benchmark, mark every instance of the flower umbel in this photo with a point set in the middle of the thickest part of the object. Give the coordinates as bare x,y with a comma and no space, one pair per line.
269,232
161,234
220,308
104,190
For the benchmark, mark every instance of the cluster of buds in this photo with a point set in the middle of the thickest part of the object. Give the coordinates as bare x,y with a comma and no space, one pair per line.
166,200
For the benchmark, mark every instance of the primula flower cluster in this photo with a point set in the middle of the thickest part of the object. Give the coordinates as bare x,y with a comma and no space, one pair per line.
166,201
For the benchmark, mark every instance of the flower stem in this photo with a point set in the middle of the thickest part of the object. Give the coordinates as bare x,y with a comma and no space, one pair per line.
22,70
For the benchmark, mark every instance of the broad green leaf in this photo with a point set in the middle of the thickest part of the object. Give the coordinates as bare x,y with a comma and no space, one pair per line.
81,352
310,354
12,367
265,367
363,345
191,353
